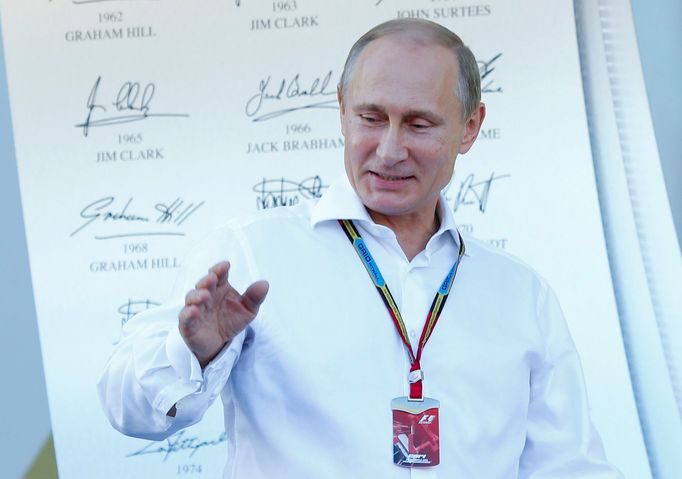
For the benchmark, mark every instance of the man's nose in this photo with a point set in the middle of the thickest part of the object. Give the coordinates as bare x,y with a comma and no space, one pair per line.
392,148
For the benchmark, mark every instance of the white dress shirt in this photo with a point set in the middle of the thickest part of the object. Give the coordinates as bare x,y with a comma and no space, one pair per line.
307,387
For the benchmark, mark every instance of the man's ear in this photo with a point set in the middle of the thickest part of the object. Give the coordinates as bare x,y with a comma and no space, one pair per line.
472,127
339,97
342,108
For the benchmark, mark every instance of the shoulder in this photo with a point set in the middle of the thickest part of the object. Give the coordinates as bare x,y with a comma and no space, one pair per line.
245,227
272,218
246,241
500,269
515,291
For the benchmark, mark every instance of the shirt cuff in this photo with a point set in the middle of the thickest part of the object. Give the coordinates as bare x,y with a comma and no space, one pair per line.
193,384
217,372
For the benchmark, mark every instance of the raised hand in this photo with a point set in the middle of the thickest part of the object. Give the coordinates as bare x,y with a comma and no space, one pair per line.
215,312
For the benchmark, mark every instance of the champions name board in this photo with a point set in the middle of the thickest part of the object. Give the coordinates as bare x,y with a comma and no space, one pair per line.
141,125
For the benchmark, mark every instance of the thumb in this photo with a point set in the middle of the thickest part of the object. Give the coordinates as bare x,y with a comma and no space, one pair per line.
254,295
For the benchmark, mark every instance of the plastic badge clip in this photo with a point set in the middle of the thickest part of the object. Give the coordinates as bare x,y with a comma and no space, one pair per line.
414,377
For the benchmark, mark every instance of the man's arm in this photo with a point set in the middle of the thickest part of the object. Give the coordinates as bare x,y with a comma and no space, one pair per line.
151,370
174,360
561,441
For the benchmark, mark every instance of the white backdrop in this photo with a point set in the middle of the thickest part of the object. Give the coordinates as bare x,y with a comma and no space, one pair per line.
135,135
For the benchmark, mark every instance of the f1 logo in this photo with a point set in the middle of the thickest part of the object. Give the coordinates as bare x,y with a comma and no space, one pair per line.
427,419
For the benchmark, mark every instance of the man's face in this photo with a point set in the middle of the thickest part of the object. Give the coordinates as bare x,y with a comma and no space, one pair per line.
403,126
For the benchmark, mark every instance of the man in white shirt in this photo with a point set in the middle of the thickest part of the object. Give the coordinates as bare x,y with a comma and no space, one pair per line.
322,371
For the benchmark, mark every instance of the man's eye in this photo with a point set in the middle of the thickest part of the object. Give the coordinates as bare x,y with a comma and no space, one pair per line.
369,118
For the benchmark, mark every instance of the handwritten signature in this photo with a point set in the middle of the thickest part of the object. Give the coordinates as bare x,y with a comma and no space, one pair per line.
282,192
486,68
289,89
132,103
177,443
174,213
134,306
472,192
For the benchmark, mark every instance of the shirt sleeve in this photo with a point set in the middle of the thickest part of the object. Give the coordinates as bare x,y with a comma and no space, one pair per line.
561,442
151,369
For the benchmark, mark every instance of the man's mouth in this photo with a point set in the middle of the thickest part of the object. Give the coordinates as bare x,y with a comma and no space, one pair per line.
386,177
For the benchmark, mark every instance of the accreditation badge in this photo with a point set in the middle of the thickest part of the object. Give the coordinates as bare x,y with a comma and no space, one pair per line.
415,432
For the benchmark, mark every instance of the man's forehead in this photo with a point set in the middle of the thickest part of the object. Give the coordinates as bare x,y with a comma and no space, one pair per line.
392,50
393,60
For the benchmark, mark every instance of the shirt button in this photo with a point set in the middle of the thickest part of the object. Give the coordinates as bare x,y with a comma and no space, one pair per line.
413,334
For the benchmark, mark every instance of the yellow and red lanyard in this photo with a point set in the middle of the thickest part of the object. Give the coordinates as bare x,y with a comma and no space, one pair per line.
416,376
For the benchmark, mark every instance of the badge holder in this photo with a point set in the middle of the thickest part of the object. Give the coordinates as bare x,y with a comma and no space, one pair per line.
415,430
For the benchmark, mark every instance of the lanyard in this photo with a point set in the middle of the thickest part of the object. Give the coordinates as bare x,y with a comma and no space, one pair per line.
416,375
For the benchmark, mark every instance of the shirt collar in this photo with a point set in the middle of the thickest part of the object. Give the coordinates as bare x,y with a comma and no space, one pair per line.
341,201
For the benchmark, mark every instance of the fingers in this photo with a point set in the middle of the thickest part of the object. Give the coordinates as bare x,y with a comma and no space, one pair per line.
188,317
216,277
197,297
209,289
208,282
254,295
221,271
189,313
